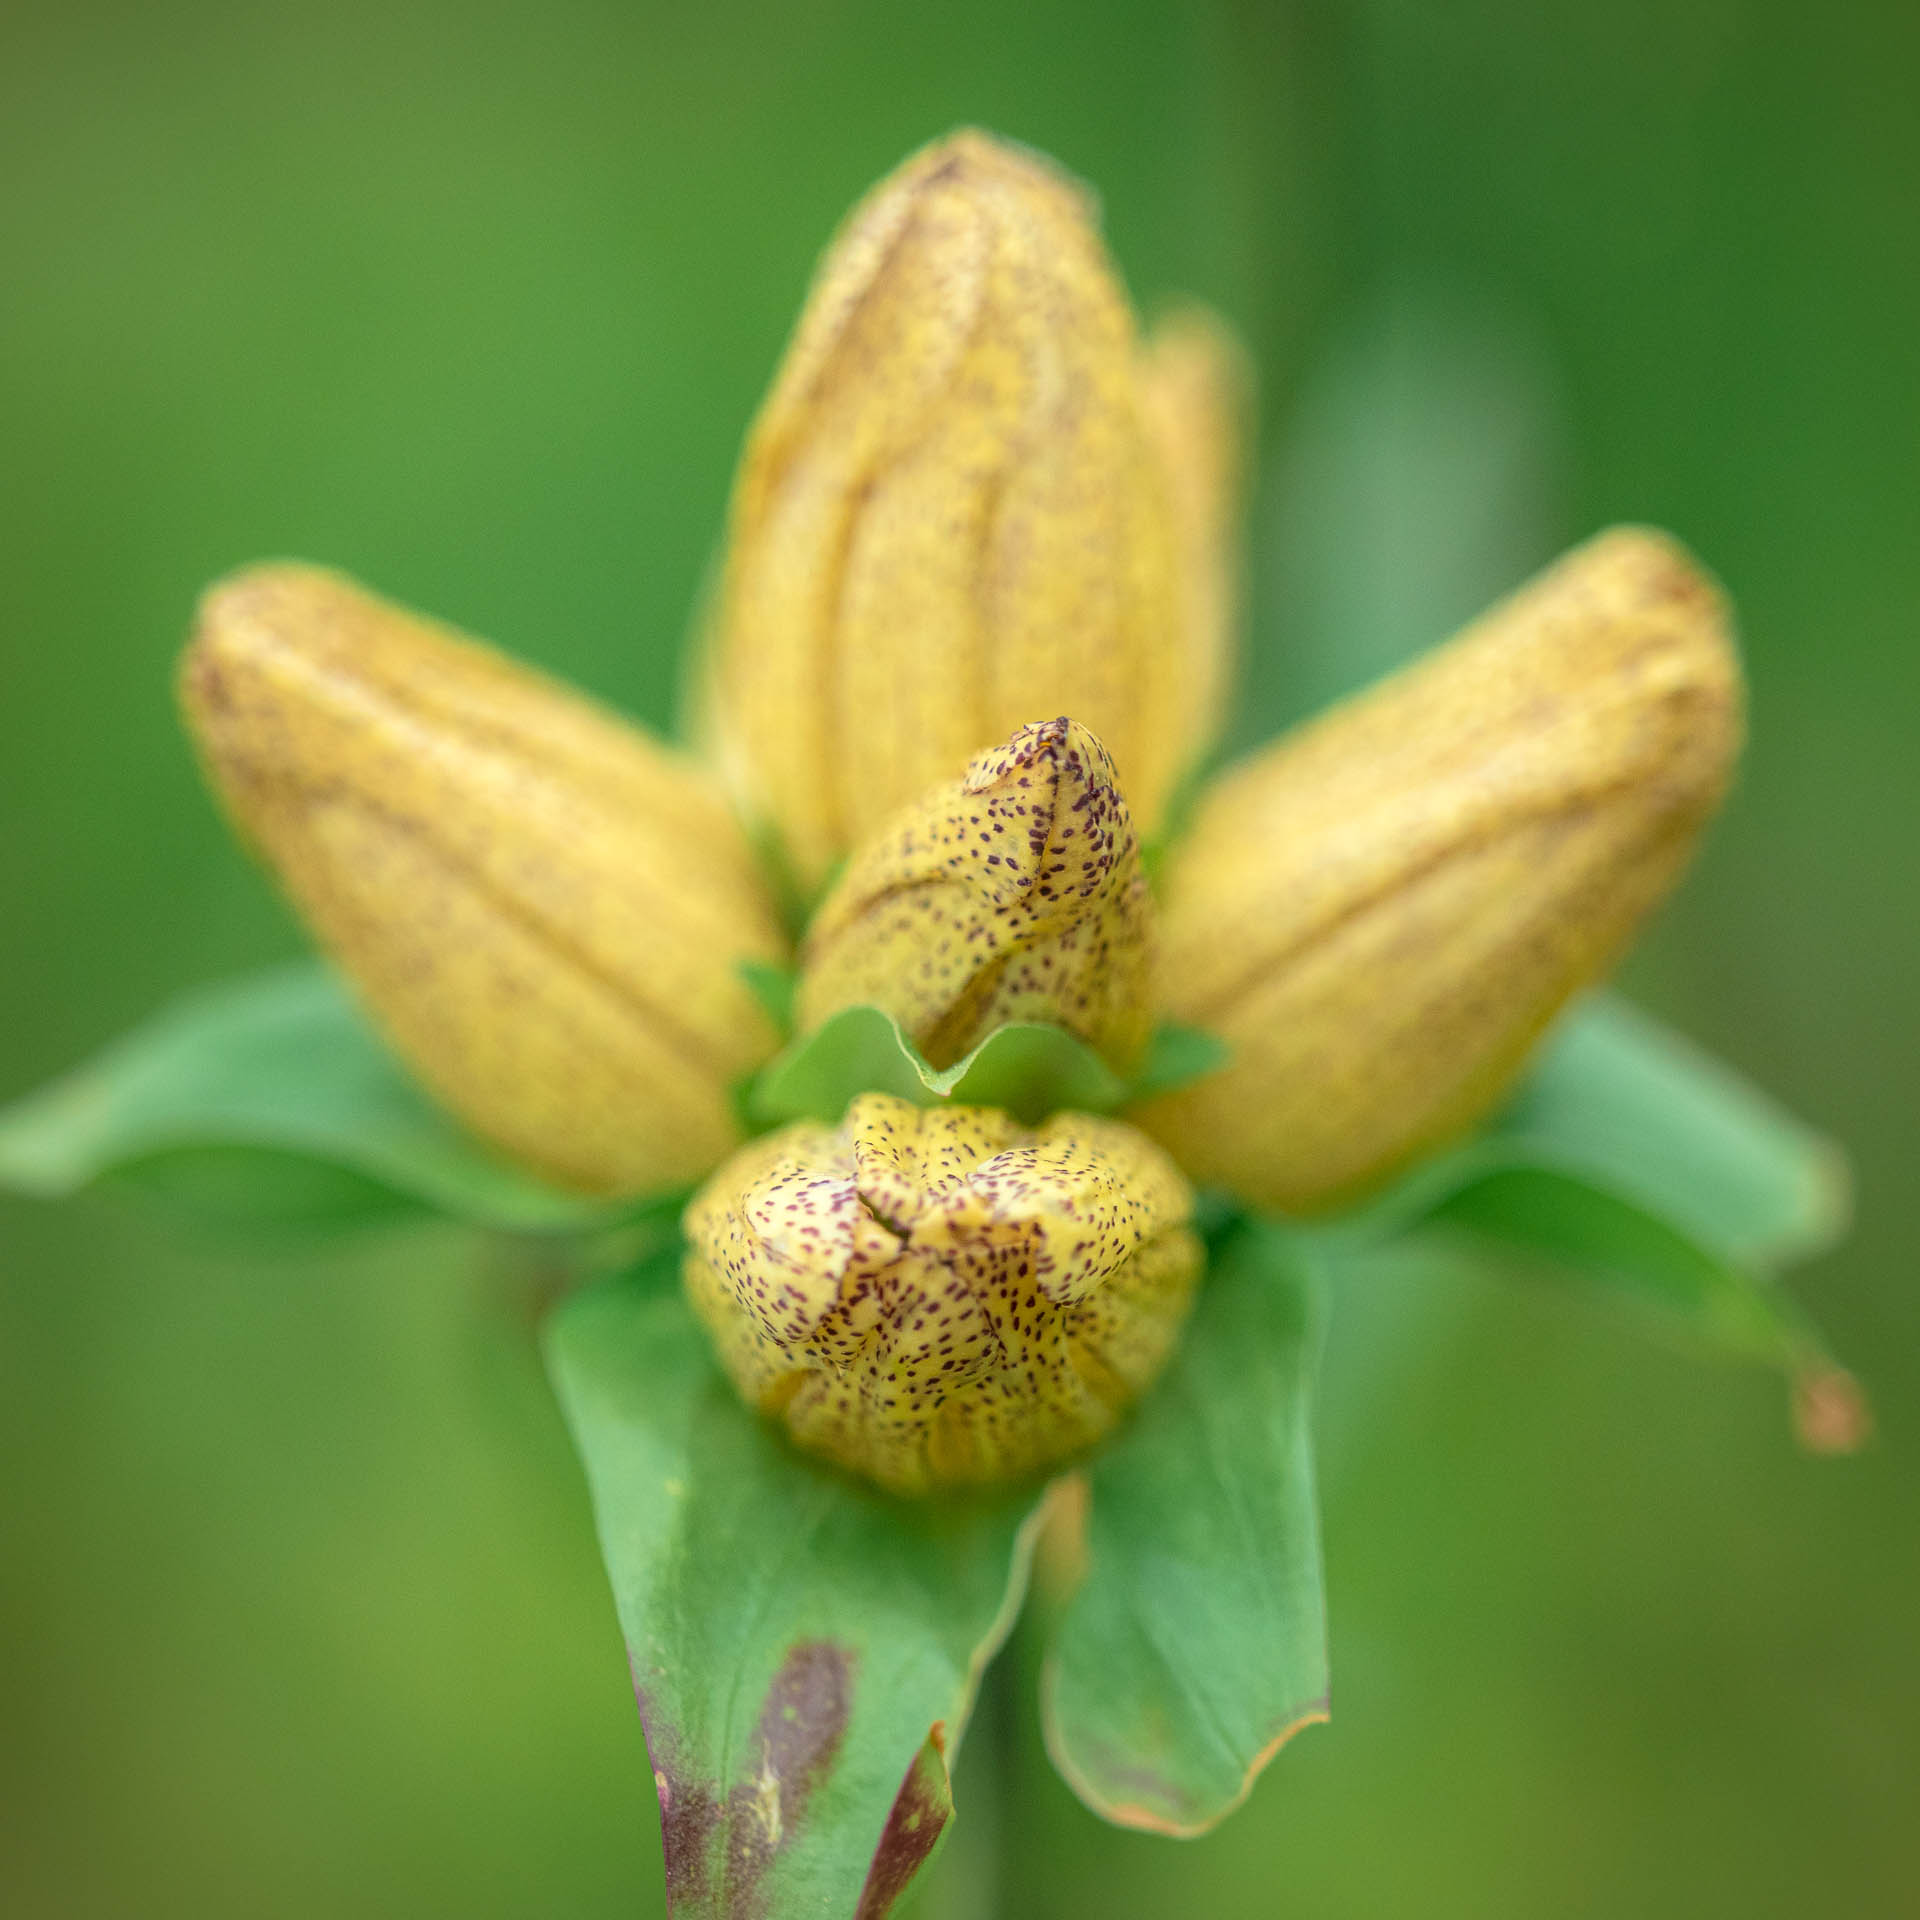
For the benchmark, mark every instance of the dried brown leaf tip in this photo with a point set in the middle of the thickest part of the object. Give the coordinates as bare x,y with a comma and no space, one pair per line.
1012,894
1831,1411
941,1298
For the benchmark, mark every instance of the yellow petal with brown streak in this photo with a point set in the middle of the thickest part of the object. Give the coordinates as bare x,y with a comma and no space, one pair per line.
1381,913
950,513
541,908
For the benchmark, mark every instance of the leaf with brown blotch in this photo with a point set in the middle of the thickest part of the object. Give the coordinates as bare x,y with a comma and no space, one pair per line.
805,1650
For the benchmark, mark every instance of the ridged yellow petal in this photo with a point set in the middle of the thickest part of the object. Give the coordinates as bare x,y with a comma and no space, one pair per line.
1014,893
951,514
934,1298
541,908
1381,913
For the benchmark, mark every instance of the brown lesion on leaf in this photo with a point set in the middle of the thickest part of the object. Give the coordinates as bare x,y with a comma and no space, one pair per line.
792,1749
689,1807
718,1853
689,1817
921,1810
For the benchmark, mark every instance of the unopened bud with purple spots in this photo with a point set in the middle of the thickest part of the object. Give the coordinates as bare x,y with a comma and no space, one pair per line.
1012,894
941,1297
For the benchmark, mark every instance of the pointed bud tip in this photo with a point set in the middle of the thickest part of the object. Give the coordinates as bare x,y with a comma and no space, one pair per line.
242,622
1662,604
237,602
1060,750
1662,564
1652,581
1053,810
973,154
1012,894
225,617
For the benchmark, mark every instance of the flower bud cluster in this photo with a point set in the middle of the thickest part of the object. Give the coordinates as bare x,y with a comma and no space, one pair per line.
975,496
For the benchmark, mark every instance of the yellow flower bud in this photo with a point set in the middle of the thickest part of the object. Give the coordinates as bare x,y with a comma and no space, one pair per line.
1197,386
1382,913
939,1297
950,514
1014,893
540,907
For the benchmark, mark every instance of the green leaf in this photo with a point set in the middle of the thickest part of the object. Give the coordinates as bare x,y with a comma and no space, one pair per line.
1626,1099
1622,1105
259,1189
1577,1224
1175,1056
1633,1253
805,1650
1529,1194
1196,1644
858,1050
774,988
1032,1071
1028,1069
1635,1164
269,1099
1613,1239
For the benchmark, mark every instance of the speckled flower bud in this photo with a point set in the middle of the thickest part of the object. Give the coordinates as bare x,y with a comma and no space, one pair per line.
951,513
541,908
1381,914
1014,893
937,1298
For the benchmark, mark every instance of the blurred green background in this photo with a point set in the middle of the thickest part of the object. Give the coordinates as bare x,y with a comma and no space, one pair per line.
300,1612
